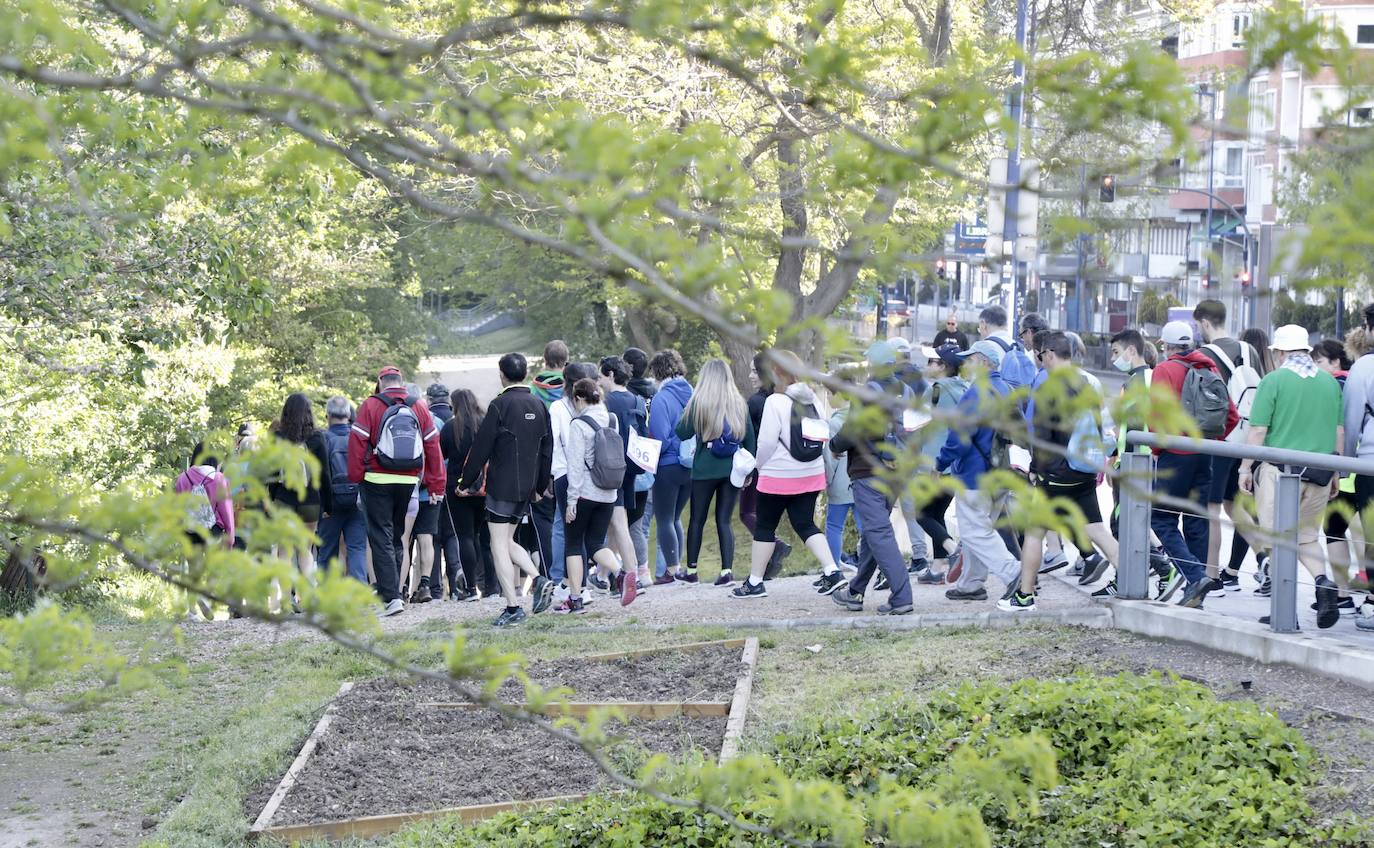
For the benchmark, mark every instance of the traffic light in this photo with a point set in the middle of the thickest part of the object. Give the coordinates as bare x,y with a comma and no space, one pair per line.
1106,191
1206,281
1245,278
940,268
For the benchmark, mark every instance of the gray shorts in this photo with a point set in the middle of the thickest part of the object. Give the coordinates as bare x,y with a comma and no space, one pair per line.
506,512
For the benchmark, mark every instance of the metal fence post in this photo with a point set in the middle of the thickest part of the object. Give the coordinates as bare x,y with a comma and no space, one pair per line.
1133,525
1283,602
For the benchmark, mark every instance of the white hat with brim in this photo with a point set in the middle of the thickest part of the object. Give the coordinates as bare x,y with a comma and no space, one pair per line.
1176,333
1291,337
742,466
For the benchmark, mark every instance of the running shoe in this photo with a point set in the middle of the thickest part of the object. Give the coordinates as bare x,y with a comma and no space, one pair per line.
881,584
1262,572
1266,588
510,617
956,565
1160,562
395,606
830,582
930,578
664,579
688,576
725,579
629,590
847,599
1327,612
1053,561
979,594
1364,616
1017,602
421,596
542,593
889,609
918,564
1196,593
749,589
1169,584
1108,591
1094,566
1346,605
571,605
596,581
1230,581
781,551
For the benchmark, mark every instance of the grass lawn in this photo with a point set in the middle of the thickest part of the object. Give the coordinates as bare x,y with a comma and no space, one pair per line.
192,751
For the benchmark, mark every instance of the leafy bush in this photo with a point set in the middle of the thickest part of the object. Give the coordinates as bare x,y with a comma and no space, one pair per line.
1136,761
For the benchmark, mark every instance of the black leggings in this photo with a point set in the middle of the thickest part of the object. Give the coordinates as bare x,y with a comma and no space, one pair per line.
726,496
587,531
931,517
474,543
800,509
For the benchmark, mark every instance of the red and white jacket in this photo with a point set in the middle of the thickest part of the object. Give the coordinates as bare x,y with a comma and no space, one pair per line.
360,442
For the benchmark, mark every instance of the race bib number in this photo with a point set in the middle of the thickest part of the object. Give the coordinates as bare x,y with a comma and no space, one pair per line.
643,451
912,420
815,430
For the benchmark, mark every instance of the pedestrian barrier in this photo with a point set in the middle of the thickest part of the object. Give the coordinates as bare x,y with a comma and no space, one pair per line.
1137,473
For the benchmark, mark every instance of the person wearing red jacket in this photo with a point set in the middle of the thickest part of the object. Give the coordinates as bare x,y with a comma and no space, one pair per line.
1186,476
385,481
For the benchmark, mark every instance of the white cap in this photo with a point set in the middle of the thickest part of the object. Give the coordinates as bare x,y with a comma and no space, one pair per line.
1291,337
1177,333
900,343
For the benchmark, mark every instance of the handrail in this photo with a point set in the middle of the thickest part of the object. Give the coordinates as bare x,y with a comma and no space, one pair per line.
1258,453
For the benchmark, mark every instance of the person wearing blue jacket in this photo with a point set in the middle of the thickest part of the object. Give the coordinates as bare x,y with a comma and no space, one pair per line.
673,480
967,454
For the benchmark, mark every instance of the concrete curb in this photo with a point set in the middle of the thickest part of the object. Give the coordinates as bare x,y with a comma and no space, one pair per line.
1093,617
1325,655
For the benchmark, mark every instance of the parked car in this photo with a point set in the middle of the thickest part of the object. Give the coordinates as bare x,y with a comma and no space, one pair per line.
898,309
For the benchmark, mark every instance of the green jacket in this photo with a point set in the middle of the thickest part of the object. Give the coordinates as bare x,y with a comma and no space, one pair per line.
707,466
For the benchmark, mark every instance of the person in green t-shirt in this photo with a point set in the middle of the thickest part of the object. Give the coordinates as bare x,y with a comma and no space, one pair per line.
1297,407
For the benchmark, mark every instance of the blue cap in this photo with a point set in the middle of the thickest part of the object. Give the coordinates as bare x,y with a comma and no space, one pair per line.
992,350
881,353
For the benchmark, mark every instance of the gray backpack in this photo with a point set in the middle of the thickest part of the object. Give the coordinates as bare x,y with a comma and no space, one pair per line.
1206,398
607,465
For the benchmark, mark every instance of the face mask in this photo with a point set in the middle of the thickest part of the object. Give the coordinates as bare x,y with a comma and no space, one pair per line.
1122,364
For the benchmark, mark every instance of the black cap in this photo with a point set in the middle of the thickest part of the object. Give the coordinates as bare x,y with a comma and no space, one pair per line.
437,390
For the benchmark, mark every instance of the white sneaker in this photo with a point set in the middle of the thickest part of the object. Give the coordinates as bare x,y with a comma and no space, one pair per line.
560,594
586,596
396,606
1364,614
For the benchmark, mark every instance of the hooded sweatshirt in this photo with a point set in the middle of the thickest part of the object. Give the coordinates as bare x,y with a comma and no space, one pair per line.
780,473
667,408
966,454
1359,401
578,454
548,386
1174,370
644,387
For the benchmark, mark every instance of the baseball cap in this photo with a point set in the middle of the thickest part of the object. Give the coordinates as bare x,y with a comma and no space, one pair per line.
949,352
1291,337
990,349
901,344
388,371
881,353
437,390
1177,333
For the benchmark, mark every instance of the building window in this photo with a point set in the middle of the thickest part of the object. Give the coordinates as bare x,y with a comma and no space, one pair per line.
1169,44
1240,22
1364,34
1271,110
1361,116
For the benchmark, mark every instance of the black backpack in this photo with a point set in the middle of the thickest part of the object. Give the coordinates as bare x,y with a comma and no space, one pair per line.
337,451
398,444
607,468
802,448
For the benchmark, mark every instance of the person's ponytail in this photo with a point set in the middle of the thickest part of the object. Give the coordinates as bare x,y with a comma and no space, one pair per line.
587,390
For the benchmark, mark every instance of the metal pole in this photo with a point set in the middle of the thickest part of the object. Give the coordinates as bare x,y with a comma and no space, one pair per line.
1078,273
1211,174
1133,525
1283,602
1340,312
1015,102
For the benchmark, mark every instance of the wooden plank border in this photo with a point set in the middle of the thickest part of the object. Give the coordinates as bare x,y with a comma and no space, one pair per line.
739,706
631,709
368,826
289,779
690,646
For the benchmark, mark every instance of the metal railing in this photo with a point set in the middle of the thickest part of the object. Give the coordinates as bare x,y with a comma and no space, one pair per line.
1136,497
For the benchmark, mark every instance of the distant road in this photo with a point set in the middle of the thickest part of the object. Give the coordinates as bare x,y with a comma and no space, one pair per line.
477,373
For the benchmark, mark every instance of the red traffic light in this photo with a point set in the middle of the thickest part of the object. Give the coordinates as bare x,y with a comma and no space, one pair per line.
1206,281
940,268
1245,278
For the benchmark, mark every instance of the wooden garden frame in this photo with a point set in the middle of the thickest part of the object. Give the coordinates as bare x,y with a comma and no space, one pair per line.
735,712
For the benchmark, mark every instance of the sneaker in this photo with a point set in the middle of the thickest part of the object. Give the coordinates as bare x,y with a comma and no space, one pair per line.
686,576
725,579
930,578
1364,616
1264,619
510,617
1160,562
587,596
642,584
1017,602
542,594
1196,593
421,596
664,579
1327,612
1053,561
1077,569
571,605
881,584
1345,605
918,564
830,582
1262,573
781,551
847,599
473,596
395,606
1094,566
1169,584
1229,582
1266,588
749,589
889,609
629,589
596,581
959,595
207,612
956,565
1108,591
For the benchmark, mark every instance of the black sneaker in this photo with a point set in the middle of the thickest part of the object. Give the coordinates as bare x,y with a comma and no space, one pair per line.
542,593
1327,611
1262,574
1229,582
881,584
1108,591
844,598
749,589
917,563
781,550
1160,562
1264,619
616,584
1094,566
1196,593
1169,584
830,582
686,576
1266,587
975,595
1346,605
510,617
596,582
725,579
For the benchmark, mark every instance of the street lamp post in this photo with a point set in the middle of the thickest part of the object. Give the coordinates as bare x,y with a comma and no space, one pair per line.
1203,90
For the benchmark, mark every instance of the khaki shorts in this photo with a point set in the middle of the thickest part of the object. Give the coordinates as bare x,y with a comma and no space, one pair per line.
1311,505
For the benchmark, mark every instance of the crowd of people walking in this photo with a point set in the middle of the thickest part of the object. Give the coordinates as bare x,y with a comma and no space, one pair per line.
547,496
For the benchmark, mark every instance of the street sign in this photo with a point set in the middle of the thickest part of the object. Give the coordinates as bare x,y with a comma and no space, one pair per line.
969,239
